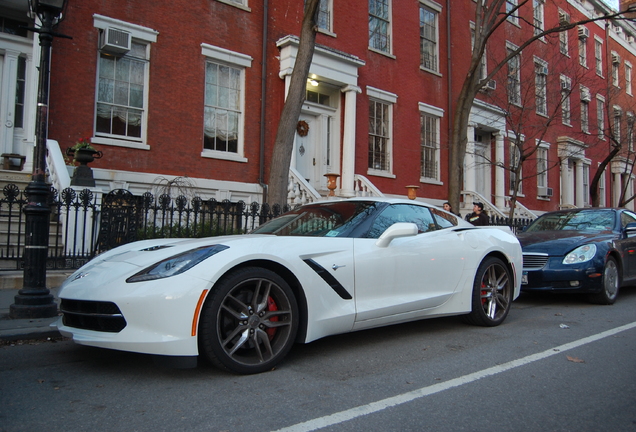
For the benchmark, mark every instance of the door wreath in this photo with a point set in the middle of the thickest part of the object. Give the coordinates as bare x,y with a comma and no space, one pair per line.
302,128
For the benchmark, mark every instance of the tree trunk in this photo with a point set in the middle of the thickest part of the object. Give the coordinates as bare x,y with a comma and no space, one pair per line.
284,144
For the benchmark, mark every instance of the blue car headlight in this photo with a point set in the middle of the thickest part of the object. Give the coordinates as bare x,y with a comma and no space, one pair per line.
581,254
176,264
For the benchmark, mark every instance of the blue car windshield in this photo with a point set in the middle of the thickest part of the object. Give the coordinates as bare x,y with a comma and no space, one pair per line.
587,220
320,220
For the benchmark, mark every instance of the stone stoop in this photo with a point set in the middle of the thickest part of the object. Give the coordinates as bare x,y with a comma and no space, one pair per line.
14,279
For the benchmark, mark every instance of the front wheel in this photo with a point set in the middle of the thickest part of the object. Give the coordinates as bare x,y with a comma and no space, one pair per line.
492,294
611,284
250,321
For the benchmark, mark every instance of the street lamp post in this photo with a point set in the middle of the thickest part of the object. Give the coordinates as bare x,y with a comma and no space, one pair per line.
34,300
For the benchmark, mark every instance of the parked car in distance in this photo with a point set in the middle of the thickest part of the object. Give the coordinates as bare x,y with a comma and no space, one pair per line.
590,251
325,268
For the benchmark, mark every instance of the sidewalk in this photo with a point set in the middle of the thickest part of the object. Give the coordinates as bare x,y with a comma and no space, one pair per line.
34,328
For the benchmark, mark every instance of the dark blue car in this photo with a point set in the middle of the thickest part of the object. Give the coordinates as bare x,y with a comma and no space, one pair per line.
590,251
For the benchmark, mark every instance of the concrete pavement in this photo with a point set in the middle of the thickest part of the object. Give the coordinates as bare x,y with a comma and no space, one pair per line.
23,329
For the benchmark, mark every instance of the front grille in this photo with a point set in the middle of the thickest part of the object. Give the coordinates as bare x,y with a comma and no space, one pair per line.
534,261
92,315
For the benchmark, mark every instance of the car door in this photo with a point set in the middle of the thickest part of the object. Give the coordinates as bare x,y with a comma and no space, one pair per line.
412,273
628,246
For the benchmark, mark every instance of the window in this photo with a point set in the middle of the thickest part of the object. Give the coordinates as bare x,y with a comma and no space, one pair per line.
601,190
236,2
600,116
514,78
598,56
628,78
586,185
585,109
429,142
324,15
379,135
511,6
616,124
428,38
566,108
537,11
379,25
20,93
563,43
630,131
483,68
223,112
542,171
122,94
616,63
13,27
515,161
582,47
121,100
419,215
540,86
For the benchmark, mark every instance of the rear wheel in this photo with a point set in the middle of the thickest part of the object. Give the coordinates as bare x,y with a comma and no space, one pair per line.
611,284
250,322
492,294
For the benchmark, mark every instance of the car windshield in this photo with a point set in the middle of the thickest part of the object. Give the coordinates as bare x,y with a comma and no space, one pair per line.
320,220
591,220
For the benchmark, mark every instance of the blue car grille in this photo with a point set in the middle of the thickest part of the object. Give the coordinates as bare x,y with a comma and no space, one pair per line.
534,261
92,315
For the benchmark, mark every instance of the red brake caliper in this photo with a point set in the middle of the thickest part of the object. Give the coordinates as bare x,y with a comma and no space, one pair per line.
271,306
483,294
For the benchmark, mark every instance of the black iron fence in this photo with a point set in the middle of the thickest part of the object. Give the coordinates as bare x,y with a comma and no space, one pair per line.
82,225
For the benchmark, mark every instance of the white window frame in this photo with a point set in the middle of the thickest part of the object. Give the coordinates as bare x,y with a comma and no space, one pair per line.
514,77
538,17
601,189
617,122
387,98
435,9
600,116
236,60
630,130
564,43
542,165
241,4
583,51
437,114
510,5
566,101
514,158
483,67
598,55
325,10
628,78
586,182
389,22
540,86
616,64
140,34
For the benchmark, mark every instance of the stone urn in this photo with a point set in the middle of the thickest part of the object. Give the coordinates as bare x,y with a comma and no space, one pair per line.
83,174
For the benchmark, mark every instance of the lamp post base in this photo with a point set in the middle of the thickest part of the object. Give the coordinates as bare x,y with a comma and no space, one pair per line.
33,306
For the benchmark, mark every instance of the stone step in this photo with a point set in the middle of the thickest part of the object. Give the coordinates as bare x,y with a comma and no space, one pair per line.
14,279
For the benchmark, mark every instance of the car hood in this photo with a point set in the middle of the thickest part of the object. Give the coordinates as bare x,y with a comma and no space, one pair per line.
560,242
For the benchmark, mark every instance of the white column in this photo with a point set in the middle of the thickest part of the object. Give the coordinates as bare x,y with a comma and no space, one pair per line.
500,172
616,189
349,141
7,101
469,166
580,200
565,182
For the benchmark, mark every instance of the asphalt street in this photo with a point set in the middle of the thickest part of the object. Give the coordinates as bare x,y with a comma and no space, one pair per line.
556,364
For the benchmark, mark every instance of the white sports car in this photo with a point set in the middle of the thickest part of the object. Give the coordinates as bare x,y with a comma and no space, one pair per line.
325,268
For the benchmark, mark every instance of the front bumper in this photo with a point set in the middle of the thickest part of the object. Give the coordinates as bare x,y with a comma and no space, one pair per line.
555,276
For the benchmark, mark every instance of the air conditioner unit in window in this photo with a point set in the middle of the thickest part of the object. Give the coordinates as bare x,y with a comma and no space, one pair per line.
584,32
548,192
585,95
542,70
616,58
630,39
114,41
491,85
564,17
565,85
542,191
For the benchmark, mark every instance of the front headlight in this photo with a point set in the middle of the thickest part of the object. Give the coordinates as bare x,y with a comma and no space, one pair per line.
177,264
581,254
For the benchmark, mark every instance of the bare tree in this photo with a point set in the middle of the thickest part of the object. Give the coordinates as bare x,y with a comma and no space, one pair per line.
284,144
490,15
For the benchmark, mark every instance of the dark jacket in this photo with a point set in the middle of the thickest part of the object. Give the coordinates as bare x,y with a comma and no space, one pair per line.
480,219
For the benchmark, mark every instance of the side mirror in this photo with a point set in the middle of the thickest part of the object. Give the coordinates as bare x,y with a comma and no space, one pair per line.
400,229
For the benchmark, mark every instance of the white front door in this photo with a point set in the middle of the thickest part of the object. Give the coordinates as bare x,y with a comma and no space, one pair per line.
482,164
312,149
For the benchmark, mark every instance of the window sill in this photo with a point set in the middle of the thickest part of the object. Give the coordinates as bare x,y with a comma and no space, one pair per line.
386,54
238,6
326,32
120,143
431,181
379,173
213,154
431,71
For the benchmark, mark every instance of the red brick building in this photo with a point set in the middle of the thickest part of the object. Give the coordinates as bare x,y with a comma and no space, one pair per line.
196,89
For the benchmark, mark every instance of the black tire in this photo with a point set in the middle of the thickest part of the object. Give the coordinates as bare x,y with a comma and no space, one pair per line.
249,322
492,294
611,284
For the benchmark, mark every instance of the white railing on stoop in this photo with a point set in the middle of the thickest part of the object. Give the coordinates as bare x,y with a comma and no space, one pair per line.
57,169
299,191
362,187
